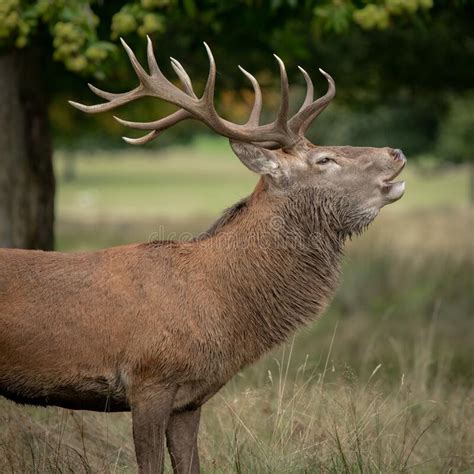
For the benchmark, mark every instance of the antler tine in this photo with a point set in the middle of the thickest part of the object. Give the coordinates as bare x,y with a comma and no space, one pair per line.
152,64
115,100
103,94
137,67
323,101
183,77
119,99
254,118
208,94
309,90
300,122
156,71
142,140
282,117
163,89
160,124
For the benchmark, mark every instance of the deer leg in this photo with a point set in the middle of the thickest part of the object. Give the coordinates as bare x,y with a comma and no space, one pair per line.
151,408
181,437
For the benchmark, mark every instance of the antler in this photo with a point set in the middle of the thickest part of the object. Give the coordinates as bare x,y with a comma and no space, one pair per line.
279,133
310,109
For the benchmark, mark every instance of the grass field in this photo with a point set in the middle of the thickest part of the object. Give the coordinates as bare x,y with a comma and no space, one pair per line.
383,383
201,181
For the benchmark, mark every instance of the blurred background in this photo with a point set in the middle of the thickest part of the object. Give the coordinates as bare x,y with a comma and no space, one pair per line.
383,382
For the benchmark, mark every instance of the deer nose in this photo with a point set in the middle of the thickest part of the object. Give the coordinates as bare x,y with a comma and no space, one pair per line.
398,155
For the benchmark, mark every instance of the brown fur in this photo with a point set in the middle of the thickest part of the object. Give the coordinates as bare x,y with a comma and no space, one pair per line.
159,328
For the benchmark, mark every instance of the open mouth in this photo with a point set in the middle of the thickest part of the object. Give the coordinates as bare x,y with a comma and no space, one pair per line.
394,190
389,181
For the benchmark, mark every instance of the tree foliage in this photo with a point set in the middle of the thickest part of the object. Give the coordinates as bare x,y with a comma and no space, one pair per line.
73,26
399,54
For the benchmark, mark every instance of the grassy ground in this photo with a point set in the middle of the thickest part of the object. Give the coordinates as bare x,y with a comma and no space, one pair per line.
200,181
383,383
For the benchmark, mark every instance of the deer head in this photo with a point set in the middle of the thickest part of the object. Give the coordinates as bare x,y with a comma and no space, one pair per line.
358,179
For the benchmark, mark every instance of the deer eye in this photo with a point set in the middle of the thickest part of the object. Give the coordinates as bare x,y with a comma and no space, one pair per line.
324,160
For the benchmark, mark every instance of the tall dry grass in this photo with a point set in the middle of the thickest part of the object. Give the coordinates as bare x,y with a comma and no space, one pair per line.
320,419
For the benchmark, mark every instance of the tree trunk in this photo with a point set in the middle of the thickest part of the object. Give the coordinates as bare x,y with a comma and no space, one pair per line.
26,170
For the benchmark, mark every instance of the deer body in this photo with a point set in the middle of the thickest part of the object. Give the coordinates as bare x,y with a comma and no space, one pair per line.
188,314
159,328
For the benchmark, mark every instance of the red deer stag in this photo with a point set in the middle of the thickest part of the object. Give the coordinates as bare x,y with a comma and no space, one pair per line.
158,328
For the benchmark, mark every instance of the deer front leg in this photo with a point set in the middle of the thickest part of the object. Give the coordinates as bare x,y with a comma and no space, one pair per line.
151,407
181,437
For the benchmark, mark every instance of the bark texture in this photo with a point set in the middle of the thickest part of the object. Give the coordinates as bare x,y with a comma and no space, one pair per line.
26,170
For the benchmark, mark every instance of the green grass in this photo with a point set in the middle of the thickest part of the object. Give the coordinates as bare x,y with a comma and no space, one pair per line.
176,183
382,383
136,195
180,183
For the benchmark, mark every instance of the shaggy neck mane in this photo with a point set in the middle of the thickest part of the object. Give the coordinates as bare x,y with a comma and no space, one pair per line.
228,216
274,265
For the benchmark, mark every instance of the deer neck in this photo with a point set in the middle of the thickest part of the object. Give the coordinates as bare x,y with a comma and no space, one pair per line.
277,262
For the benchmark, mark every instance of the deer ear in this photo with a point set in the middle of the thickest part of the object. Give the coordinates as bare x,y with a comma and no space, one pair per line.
257,159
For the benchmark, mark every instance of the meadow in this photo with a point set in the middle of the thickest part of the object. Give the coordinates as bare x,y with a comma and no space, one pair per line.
382,383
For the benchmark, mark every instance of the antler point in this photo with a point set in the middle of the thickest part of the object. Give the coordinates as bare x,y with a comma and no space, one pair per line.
280,61
208,49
